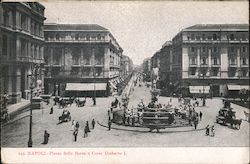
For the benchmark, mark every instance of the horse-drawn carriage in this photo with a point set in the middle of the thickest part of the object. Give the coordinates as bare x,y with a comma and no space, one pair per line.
227,116
65,117
80,103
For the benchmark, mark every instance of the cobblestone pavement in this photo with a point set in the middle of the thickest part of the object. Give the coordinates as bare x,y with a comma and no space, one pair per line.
16,133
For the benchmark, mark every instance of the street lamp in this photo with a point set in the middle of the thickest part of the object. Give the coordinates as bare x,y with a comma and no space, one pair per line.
203,88
32,86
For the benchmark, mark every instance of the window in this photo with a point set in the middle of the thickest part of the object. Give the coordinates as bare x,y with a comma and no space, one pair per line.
57,36
198,37
243,49
232,61
232,49
203,37
23,47
215,61
192,71
192,36
231,36
5,45
215,49
6,18
23,22
193,60
77,36
244,37
192,49
203,49
87,37
204,61
244,61
99,37
214,71
214,37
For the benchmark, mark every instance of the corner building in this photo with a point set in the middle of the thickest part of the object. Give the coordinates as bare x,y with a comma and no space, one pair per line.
211,57
21,47
80,59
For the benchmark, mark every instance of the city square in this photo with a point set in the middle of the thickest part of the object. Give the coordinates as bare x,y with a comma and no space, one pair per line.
124,75
61,135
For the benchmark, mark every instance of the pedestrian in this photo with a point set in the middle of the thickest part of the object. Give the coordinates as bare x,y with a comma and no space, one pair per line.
73,124
207,130
109,113
87,125
51,110
109,124
201,115
124,119
94,101
212,131
111,109
128,120
75,133
195,123
189,120
133,121
93,124
46,137
77,125
85,131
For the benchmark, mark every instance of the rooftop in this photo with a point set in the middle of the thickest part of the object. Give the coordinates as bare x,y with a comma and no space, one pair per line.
73,27
218,27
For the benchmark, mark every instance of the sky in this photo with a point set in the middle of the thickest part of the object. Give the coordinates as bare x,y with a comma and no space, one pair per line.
142,27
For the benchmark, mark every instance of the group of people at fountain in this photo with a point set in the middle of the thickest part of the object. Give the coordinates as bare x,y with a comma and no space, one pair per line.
187,107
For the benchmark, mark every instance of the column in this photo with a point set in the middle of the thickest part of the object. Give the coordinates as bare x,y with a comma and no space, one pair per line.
224,63
106,61
185,62
198,61
209,62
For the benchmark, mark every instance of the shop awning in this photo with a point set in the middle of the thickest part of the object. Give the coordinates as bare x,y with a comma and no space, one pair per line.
113,85
86,86
233,87
199,89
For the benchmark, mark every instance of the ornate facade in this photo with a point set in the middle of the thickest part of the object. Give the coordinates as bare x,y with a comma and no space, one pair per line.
21,42
209,55
82,54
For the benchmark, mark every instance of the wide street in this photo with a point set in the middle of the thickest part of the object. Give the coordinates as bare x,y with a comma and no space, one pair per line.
15,134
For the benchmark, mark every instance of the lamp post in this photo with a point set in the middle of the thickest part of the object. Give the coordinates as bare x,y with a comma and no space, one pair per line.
203,88
32,78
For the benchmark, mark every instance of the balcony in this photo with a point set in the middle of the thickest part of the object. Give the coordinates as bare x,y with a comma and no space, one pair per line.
233,65
215,65
193,65
204,65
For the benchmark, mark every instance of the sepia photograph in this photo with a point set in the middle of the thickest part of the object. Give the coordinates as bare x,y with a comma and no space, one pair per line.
123,74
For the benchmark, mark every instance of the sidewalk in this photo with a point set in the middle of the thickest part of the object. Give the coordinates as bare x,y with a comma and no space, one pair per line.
17,108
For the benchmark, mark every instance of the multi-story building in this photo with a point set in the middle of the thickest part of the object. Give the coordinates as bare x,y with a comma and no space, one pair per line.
164,70
211,58
81,59
146,68
126,66
21,49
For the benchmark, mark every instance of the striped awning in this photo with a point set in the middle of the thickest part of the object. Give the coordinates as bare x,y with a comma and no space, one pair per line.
233,87
199,89
86,86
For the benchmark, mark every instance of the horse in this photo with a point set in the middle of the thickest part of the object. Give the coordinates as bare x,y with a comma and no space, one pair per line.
236,122
114,103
